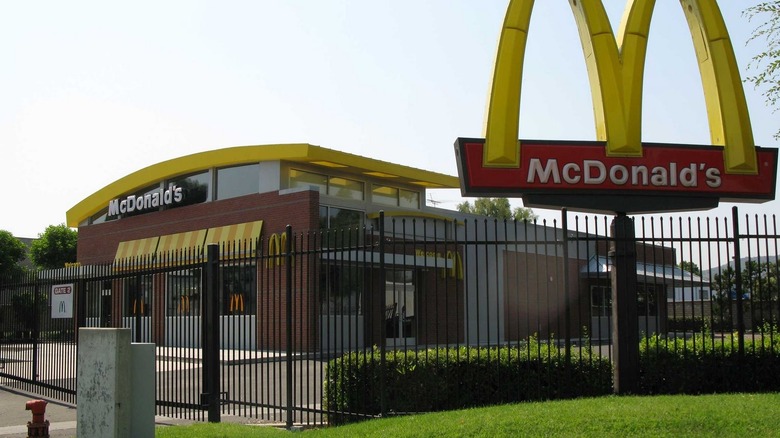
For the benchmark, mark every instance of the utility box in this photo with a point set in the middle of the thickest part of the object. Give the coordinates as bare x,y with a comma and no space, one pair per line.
115,385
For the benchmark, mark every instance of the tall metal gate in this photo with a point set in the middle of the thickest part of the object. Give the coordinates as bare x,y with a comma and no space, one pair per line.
247,330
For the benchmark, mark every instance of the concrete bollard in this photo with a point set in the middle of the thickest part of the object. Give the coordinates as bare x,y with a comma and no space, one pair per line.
38,427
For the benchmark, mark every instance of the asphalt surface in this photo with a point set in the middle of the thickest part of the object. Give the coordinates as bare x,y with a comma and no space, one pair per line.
62,416
14,417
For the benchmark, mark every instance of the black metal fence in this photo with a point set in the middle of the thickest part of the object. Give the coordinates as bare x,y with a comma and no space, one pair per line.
256,330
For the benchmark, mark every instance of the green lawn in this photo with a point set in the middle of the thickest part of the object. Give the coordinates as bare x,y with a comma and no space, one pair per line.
739,415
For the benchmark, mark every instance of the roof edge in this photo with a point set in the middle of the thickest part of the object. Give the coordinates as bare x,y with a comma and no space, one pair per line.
236,155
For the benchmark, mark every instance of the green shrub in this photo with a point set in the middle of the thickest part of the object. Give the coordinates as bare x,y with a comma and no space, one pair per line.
704,364
454,378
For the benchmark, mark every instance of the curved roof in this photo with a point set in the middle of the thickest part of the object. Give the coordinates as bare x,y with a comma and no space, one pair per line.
301,152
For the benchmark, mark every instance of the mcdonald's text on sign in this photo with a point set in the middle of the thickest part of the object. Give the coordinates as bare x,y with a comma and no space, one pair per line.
618,172
582,175
62,301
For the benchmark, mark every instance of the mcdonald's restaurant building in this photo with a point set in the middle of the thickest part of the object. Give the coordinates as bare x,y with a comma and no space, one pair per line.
246,193
241,194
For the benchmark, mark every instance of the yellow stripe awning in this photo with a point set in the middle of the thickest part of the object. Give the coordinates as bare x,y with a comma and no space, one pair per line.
137,248
235,233
188,239
163,247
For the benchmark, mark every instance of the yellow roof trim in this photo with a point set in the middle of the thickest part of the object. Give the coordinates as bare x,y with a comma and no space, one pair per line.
232,156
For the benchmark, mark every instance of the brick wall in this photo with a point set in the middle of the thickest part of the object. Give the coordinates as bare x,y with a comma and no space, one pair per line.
98,243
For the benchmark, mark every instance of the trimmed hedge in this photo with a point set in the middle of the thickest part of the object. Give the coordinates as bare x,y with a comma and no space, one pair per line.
703,364
455,378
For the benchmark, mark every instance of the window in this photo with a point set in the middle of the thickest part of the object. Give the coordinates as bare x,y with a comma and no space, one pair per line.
233,182
341,290
183,292
409,199
340,218
384,195
646,300
400,291
345,188
395,197
138,295
99,217
239,290
300,178
195,188
601,300
345,226
335,186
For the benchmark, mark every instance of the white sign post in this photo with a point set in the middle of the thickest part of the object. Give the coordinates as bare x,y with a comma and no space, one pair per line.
62,301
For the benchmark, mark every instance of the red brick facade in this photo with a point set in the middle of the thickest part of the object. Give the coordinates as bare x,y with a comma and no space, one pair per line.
98,243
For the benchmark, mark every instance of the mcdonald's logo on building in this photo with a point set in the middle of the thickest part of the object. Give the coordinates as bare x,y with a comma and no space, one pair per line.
617,172
277,248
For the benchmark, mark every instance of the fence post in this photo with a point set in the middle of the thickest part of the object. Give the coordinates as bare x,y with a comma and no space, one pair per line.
81,307
289,317
139,310
625,323
383,329
739,289
567,314
210,334
36,328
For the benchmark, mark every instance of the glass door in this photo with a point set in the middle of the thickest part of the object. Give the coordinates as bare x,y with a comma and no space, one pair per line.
400,305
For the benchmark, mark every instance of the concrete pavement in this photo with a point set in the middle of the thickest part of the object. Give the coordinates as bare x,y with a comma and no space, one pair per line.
61,416
14,417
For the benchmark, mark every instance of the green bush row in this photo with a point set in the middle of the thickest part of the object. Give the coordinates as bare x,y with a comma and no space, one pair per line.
700,324
454,378
705,364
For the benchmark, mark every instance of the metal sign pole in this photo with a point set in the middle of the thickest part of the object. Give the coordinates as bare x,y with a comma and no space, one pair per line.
625,326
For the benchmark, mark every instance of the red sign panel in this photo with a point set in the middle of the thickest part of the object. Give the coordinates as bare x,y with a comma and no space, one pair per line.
580,175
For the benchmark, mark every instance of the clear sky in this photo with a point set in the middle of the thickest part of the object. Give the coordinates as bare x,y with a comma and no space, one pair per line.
92,91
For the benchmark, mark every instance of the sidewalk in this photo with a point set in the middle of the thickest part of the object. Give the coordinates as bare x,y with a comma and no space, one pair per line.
61,416
14,418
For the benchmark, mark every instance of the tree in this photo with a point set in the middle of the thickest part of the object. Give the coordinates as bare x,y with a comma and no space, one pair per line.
498,208
724,286
760,281
758,285
27,308
12,251
766,63
691,267
54,247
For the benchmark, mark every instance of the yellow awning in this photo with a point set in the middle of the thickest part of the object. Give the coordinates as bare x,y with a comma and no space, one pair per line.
137,248
238,237
178,241
235,233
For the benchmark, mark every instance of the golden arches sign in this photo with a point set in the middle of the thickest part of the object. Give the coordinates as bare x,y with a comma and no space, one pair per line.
615,68
277,247
456,266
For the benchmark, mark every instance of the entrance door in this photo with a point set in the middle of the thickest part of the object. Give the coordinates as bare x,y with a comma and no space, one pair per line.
600,311
400,314
648,296
105,308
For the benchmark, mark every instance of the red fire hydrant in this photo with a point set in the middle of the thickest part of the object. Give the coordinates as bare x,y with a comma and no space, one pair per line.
38,427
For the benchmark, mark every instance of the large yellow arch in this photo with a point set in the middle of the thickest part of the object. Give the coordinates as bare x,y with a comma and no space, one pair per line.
615,70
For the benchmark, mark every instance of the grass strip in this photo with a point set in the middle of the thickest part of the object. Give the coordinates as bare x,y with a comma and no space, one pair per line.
733,415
